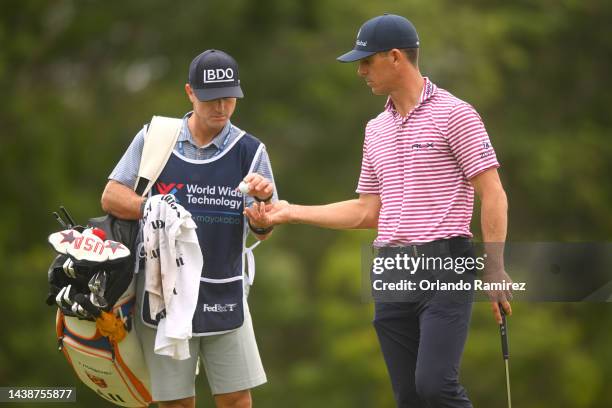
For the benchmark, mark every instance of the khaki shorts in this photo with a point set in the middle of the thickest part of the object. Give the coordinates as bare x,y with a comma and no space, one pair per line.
231,360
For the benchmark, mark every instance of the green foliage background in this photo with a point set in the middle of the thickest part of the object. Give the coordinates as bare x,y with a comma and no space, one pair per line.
79,79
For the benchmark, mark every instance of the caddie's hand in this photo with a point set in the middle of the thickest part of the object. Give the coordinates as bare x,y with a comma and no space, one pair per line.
259,186
258,215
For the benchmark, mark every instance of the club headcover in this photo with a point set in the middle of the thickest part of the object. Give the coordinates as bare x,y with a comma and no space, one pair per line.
87,246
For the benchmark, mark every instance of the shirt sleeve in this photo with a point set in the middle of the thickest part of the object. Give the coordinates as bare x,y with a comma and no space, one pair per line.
264,168
126,171
368,182
469,141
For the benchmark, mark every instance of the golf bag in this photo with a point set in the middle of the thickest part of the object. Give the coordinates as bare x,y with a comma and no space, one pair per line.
96,299
91,282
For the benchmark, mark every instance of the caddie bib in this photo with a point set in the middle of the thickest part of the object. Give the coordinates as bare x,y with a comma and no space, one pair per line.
207,189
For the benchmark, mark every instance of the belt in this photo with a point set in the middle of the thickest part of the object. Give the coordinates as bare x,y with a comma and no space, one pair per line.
450,247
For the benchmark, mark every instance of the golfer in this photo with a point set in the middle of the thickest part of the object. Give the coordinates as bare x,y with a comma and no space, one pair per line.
423,158
211,157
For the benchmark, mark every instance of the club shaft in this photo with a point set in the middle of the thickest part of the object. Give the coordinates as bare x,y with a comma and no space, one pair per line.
70,220
508,385
59,219
503,331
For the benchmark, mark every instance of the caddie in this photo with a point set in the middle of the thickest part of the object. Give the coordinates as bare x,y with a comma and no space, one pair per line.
210,159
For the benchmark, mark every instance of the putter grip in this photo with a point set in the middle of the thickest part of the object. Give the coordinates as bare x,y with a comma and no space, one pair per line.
503,331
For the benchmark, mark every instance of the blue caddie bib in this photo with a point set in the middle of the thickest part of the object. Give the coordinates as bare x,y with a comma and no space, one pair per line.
207,189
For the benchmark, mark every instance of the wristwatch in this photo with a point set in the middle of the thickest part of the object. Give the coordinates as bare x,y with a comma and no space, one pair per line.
261,231
259,200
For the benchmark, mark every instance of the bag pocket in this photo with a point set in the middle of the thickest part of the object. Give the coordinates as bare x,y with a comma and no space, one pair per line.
116,372
220,306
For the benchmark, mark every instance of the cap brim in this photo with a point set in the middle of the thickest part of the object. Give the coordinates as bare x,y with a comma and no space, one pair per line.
217,93
355,55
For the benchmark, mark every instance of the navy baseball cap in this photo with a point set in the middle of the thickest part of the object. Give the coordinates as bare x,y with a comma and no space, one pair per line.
382,33
214,74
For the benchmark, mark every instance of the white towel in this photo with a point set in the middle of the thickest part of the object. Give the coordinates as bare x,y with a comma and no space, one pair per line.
172,272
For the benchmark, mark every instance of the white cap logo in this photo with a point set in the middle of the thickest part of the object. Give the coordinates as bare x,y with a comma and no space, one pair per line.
218,75
359,42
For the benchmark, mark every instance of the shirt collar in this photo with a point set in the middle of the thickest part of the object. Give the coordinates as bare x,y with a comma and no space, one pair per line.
429,90
217,141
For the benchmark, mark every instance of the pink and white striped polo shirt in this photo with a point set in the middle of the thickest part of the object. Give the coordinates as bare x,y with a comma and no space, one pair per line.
420,165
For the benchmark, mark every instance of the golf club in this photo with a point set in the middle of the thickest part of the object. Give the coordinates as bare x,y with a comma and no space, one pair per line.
503,331
60,220
70,220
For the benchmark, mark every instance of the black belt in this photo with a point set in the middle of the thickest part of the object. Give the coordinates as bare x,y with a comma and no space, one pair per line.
450,247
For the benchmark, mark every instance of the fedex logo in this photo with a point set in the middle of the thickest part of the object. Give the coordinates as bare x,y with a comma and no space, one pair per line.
218,75
218,308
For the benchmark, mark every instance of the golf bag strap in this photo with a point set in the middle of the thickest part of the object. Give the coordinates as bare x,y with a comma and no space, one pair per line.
159,142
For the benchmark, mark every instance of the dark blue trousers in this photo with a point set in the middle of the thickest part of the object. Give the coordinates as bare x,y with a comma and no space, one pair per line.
422,343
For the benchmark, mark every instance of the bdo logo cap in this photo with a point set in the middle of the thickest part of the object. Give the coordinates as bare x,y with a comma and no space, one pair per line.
214,74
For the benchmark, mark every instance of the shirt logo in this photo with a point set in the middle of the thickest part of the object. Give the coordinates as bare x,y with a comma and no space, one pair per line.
218,75
486,146
170,188
427,145
428,90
